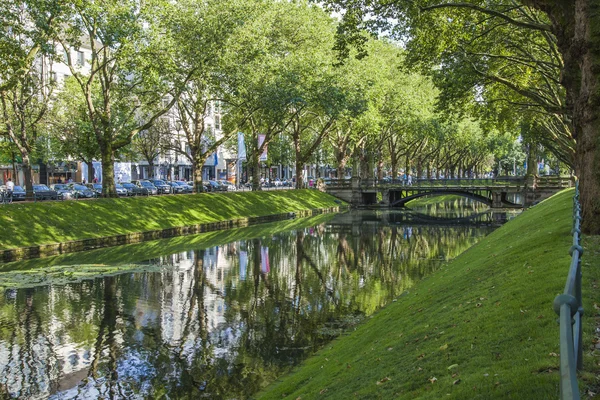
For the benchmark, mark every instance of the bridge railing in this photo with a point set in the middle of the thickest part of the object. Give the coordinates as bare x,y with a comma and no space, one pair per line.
458,182
550,181
569,308
338,183
553,181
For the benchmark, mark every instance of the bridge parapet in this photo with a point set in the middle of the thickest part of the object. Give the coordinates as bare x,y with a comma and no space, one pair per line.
492,191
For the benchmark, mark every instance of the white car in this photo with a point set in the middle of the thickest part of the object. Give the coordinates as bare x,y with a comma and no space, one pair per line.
230,186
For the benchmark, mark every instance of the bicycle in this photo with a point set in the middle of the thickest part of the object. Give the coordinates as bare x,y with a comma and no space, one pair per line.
6,197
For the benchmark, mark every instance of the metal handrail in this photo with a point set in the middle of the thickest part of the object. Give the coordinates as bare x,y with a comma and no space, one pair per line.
569,308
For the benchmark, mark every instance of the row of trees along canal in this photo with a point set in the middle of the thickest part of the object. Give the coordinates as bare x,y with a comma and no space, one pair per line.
532,63
274,68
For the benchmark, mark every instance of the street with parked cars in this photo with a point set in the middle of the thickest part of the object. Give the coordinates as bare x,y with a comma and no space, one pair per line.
143,187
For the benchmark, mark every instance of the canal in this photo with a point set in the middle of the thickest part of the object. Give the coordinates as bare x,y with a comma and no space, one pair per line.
218,315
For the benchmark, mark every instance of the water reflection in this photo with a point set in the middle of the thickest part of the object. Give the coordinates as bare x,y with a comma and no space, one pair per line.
216,322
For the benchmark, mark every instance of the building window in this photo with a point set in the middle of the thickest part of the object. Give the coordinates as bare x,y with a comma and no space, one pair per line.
53,76
217,107
217,122
80,58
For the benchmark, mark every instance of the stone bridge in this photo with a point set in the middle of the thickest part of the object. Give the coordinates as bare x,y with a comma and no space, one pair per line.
496,193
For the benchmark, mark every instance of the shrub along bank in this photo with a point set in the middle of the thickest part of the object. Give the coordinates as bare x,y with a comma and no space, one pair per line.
480,327
34,224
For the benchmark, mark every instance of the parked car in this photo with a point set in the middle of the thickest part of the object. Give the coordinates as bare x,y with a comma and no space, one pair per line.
216,186
175,188
63,190
152,190
121,191
205,185
186,188
134,190
18,193
228,185
81,191
162,186
43,192
96,188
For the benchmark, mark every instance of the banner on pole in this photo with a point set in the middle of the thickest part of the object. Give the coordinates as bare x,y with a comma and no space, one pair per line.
261,140
241,147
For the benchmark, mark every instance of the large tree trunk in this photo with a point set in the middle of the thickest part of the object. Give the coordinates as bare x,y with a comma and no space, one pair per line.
578,40
28,176
299,176
197,171
531,160
341,169
299,161
90,168
108,173
586,115
255,157
151,168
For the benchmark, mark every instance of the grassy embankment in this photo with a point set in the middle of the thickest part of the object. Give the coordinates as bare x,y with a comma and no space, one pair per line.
30,224
482,327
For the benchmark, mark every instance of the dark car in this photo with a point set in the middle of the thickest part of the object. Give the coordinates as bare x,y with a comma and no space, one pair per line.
152,190
162,186
186,188
175,188
216,186
121,191
81,191
43,192
134,190
204,185
63,190
18,193
96,188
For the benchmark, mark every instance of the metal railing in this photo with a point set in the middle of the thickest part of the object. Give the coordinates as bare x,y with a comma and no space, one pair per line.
569,308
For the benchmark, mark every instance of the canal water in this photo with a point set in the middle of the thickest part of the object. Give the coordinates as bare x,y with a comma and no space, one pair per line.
218,315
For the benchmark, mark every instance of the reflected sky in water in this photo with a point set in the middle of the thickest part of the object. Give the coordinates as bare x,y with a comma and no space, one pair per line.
222,321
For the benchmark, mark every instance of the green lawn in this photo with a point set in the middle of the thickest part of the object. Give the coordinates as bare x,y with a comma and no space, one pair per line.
482,327
29,224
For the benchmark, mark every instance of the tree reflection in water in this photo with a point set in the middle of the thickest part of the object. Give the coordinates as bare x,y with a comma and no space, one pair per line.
219,322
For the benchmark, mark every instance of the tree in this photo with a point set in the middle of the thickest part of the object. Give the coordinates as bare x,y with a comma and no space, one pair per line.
25,62
150,143
204,32
269,84
71,128
133,64
563,31
24,107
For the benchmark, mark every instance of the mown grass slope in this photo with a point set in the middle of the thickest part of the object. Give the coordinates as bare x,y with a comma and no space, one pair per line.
482,327
29,224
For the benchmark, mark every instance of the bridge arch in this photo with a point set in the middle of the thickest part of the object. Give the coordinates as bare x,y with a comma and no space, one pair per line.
474,196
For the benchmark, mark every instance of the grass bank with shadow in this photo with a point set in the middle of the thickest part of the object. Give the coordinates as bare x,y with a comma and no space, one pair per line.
482,327
47,223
